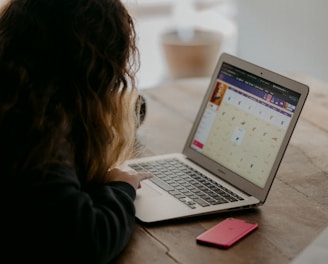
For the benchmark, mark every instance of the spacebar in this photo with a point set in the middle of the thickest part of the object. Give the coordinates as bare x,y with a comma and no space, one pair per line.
162,184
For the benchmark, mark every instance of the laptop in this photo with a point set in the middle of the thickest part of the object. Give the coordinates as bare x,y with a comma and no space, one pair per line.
315,252
234,148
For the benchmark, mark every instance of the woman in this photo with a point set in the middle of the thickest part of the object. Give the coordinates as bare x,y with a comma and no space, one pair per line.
67,121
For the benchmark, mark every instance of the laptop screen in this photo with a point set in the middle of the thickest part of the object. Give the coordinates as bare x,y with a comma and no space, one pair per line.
244,123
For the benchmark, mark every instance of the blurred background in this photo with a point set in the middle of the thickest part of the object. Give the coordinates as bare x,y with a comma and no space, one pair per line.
287,36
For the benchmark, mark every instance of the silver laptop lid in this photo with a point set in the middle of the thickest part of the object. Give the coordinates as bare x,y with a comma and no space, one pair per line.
245,123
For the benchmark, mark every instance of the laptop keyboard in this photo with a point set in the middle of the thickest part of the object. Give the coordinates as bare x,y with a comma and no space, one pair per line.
186,184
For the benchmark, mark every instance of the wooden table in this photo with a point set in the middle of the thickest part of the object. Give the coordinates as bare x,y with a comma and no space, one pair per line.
295,212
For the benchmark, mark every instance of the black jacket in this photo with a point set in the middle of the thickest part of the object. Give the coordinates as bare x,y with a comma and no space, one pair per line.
50,219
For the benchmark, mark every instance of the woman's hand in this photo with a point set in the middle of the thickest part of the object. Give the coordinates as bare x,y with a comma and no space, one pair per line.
133,178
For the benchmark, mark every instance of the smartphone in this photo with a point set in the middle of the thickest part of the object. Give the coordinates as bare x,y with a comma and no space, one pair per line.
226,233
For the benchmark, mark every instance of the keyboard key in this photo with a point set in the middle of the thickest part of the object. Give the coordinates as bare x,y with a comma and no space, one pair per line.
162,184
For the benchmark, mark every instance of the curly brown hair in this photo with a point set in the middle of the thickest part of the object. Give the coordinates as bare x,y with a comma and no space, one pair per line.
67,85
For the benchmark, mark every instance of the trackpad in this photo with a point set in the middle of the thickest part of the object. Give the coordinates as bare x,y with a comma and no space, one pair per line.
147,191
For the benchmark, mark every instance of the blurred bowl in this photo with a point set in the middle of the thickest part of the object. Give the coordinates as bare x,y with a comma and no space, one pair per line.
193,55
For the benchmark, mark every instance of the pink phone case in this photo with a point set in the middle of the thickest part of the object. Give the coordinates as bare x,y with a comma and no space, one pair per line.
226,233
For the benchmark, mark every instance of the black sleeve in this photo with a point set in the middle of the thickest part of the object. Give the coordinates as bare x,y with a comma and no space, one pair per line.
54,221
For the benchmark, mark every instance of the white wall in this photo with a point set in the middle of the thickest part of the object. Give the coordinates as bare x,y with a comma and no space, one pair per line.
289,36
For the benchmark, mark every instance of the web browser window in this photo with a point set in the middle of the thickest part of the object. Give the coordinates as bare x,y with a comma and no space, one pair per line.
245,120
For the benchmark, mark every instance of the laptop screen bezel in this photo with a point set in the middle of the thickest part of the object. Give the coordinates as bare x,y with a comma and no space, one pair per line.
224,173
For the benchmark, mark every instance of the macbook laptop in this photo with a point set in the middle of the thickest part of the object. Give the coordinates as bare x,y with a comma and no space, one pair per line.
234,148
315,252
